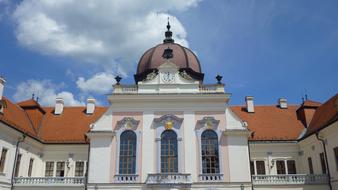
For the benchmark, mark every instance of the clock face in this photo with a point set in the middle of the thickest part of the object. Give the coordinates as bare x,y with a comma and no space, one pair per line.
168,77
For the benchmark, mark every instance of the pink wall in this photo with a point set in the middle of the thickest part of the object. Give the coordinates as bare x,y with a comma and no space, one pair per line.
218,115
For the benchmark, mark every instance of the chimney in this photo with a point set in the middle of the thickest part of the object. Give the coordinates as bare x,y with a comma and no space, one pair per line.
2,103
90,106
58,106
250,104
2,85
283,104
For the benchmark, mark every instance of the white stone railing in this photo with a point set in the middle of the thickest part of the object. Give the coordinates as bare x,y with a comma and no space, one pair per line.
290,179
211,177
175,178
211,88
126,178
49,180
125,89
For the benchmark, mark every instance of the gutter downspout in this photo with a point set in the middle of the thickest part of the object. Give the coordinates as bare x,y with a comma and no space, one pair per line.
87,167
20,140
91,126
252,187
326,161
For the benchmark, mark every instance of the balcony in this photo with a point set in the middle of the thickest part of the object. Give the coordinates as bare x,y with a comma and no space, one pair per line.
168,179
289,179
32,181
198,89
126,178
211,177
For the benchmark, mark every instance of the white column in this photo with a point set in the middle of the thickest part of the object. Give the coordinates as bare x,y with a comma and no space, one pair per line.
148,147
190,145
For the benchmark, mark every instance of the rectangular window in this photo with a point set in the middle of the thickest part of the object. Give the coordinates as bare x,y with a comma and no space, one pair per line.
49,171
260,166
336,155
309,160
322,162
291,167
60,169
79,169
252,167
17,165
30,167
3,160
280,167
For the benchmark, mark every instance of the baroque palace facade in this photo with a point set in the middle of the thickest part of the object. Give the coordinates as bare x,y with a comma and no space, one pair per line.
169,131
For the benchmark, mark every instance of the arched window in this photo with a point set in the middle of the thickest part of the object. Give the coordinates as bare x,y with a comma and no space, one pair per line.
210,159
127,158
169,161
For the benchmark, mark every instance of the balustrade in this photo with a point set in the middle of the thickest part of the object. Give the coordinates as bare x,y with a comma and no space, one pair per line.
176,178
49,180
126,178
290,179
210,177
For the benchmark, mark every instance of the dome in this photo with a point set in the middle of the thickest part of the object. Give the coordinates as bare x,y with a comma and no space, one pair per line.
181,56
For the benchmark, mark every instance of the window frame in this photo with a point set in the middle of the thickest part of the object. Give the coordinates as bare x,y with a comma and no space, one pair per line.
133,156
288,168
128,123
322,162
30,167
160,126
216,156
57,169
310,165
3,159
52,169
83,169
17,165
335,153
208,123
172,159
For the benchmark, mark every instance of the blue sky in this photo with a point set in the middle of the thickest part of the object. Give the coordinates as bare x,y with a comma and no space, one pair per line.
268,49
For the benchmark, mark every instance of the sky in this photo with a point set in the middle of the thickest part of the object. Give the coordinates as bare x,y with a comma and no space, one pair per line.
73,49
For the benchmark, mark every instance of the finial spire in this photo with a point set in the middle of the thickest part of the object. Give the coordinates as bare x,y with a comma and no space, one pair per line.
168,34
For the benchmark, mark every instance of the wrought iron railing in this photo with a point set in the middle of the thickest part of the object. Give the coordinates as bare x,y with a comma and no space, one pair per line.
170,178
290,179
49,180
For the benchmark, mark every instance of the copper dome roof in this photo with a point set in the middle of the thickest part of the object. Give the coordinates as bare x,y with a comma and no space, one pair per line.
181,56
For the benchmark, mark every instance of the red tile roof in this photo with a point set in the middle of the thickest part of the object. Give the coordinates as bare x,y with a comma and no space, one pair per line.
271,122
41,123
326,114
70,126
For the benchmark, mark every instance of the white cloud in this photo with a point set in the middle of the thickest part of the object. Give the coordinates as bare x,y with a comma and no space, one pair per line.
100,83
104,32
46,91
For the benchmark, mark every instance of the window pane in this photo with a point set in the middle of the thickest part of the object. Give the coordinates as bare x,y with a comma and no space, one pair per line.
322,162
60,169
252,168
280,167
336,155
30,167
127,157
169,161
17,165
309,160
260,165
3,160
291,167
209,147
79,169
49,169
